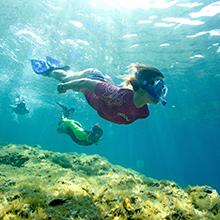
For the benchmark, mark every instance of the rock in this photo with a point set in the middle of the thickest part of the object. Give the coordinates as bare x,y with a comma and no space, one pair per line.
39,184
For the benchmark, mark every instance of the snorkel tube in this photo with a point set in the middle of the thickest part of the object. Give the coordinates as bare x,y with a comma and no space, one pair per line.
160,90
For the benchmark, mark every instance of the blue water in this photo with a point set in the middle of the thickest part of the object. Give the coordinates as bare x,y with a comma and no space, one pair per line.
177,142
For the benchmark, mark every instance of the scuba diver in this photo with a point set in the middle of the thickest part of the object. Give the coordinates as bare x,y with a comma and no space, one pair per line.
20,106
75,130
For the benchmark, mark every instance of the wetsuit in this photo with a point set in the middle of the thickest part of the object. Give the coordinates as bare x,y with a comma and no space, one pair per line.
76,132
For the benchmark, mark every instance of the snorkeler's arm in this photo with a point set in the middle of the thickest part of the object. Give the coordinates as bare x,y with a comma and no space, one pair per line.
80,85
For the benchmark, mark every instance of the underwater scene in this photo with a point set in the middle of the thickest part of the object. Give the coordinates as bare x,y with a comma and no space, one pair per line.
110,109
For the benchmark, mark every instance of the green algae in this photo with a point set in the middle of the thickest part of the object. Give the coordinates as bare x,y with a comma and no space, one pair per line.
39,184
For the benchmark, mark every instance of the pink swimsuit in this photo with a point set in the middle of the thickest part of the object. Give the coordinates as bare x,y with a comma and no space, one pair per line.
115,104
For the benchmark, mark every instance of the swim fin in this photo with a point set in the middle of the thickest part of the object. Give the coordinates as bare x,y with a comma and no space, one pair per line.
40,67
56,64
45,67
51,62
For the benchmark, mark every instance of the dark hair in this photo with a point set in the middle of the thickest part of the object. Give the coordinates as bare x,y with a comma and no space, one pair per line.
96,133
142,72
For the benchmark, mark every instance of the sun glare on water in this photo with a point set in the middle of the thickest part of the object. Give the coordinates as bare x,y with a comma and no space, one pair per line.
132,4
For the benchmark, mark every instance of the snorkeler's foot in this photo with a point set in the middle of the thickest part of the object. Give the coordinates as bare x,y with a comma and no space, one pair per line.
66,68
44,68
56,64
61,88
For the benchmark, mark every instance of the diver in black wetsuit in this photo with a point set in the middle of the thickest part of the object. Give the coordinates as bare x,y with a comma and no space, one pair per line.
20,107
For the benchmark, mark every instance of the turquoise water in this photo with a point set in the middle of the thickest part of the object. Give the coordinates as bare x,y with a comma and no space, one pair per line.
182,38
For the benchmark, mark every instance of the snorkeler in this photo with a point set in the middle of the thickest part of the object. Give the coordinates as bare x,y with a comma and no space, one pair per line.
20,106
75,130
78,134
113,103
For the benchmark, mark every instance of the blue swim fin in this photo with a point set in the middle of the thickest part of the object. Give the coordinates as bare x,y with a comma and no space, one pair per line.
45,67
51,62
40,67
56,64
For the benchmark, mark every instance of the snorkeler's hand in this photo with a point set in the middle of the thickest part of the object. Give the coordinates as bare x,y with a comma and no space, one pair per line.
61,88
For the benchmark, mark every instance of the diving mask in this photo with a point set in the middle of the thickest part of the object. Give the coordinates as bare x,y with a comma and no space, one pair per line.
96,133
157,89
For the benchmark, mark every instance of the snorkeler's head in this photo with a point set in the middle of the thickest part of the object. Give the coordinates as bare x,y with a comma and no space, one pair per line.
96,133
146,72
143,73
149,79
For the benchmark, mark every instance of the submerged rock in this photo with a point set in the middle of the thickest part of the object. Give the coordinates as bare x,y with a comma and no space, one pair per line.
39,184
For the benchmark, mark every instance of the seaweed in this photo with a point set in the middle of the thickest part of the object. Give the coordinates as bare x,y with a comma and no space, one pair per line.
54,186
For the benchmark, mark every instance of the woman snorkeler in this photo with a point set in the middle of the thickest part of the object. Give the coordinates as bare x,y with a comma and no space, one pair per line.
113,103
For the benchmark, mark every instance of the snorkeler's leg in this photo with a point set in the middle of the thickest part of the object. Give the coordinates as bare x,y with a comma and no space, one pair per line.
72,110
59,75
79,75
91,73
65,76
96,74
65,110
62,106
